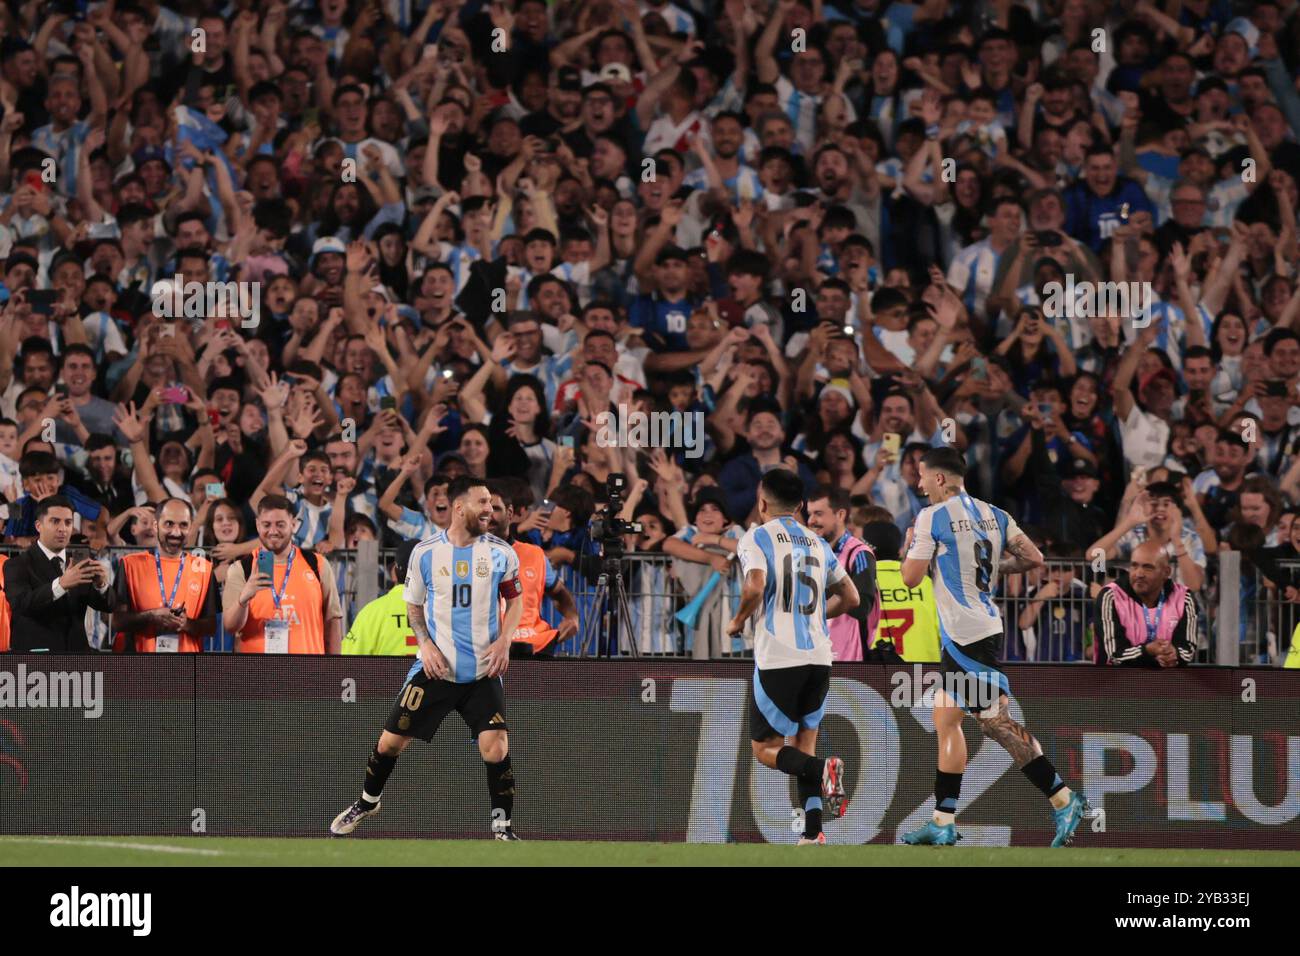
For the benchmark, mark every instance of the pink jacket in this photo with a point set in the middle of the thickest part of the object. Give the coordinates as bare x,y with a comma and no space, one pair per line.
1134,623
845,631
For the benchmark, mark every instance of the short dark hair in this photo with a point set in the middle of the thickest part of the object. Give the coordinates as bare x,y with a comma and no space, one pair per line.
947,460
36,463
460,486
885,539
53,501
837,496
1164,489
276,503
783,488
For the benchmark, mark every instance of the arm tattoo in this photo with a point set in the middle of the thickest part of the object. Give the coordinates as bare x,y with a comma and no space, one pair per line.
417,623
1024,559
1016,740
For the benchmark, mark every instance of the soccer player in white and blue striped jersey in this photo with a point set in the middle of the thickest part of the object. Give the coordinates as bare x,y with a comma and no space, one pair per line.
455,583
959,541
793,580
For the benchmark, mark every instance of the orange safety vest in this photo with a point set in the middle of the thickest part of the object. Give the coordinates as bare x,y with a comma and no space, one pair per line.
5,613
140,575
303,607
532,630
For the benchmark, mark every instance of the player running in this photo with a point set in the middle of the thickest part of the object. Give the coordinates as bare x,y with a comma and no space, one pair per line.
789,570
962,539
452,587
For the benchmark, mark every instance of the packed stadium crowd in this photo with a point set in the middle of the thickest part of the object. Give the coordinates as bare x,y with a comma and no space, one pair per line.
302,265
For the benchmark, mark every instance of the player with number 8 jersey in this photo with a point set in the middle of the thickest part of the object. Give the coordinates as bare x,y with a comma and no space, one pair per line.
794,582
960,541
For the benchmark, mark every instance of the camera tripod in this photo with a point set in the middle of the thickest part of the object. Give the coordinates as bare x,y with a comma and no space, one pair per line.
609,614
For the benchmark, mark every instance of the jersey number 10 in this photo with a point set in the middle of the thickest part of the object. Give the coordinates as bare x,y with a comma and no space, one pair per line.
460,595
807,580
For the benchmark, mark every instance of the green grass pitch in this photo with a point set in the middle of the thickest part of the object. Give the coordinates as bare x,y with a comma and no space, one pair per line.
237,851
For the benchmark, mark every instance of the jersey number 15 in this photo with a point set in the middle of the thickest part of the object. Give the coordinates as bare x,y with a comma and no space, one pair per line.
806,580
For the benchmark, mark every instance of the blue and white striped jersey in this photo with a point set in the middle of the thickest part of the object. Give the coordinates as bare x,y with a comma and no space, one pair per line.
963,539
460,589
971,274
791,629
313,520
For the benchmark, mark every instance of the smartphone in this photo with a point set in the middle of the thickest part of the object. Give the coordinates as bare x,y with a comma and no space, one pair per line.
388,403
34,180
222,323
848,330
547,506
177,395
1046,238
447,373
566,441
61,391
214,417
891,442
289,380
266,563
979,368
215,489
1123,213
1045,409
311,116
42,300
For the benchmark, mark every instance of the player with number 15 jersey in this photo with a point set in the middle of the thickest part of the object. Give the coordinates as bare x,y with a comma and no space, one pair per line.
794,582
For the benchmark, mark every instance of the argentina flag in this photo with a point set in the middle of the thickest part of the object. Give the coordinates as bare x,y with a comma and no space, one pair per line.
192,126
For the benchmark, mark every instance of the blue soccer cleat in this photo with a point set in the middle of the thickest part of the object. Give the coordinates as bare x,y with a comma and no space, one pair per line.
1068,819
933,835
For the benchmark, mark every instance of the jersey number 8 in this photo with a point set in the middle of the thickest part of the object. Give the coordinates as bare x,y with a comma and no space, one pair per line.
983,565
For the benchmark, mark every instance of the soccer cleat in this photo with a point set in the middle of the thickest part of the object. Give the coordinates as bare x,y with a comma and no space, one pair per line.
833,787
1068,819
506,835
818,840
347,821
933,835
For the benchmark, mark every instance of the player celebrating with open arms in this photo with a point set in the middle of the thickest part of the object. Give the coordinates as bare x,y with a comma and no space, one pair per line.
790,571
960,541
452,586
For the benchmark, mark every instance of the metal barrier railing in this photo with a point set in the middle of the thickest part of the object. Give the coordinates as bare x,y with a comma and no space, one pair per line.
1058,627
1268,619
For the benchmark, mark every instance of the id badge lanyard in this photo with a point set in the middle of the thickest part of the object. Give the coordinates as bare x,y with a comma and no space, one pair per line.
278,595
162,590
1153,627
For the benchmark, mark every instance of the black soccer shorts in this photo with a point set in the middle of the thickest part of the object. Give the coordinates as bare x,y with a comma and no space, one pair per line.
979,669
786,699
425,701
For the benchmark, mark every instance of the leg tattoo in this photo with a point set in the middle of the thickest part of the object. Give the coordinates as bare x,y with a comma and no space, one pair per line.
1017,741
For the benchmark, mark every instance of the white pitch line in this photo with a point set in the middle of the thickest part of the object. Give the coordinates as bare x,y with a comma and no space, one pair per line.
149,847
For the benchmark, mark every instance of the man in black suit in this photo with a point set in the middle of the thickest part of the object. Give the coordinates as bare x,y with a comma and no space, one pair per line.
47,598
